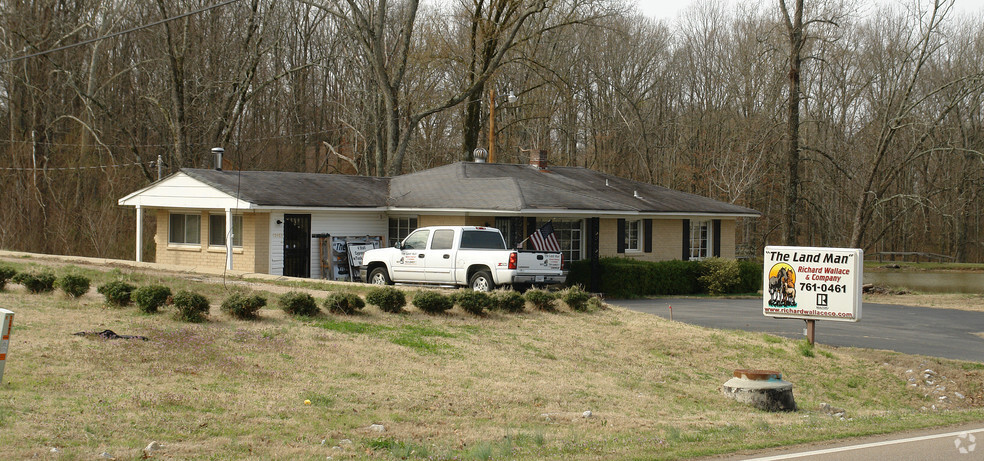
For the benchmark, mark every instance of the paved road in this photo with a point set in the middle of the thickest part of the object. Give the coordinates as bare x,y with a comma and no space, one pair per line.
947,333
953,443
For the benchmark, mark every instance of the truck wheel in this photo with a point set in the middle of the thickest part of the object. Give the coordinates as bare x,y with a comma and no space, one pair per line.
378,276
482,281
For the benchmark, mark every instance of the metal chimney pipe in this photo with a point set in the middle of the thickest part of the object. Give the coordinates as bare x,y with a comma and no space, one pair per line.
217,154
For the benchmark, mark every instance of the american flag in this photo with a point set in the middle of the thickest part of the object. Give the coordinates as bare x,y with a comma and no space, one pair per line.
544,239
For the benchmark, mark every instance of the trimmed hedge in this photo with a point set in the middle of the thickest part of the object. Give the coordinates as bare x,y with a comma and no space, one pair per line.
243,305
6,273
192,307
74,285
388,299
117,292
432,302
473,302
344,303
35,282
150,298
623,277
508,301
541,300
299,303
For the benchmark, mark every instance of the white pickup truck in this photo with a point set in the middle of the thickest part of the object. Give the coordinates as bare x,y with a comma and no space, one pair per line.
460,255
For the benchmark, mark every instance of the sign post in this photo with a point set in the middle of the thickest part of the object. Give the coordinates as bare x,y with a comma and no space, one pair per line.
6,322
812,283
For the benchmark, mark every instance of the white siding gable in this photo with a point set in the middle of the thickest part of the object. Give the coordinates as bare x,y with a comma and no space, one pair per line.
182,191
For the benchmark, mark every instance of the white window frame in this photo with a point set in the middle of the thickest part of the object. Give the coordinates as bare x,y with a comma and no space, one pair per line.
184,230
237,230
700,238
570,235
633,232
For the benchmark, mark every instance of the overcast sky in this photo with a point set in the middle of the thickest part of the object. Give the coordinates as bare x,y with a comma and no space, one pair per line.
669,9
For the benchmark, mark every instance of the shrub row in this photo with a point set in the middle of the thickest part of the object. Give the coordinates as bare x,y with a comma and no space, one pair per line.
623,277
42,281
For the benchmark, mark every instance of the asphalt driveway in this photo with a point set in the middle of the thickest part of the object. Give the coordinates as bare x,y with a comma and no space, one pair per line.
947,333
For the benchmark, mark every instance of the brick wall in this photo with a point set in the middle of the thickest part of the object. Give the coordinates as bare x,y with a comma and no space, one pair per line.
253,256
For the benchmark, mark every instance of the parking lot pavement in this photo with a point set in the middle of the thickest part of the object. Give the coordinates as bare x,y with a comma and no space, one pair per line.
947,333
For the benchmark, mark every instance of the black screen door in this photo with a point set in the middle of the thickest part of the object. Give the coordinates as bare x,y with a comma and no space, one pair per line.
297,245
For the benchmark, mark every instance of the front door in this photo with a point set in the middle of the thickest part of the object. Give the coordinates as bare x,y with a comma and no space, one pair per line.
297,245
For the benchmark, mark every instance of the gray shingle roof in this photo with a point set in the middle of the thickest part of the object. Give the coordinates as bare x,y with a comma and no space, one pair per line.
498,186
279,188
463,185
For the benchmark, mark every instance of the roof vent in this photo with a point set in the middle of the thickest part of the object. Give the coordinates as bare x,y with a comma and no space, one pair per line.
217,154
480,155
539,159
635,194
606,183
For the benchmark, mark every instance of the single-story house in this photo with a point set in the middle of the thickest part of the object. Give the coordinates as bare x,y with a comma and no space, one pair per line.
280,222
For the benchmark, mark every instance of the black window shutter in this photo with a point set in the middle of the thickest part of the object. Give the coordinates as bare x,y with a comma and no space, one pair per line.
686,240
530,229
716,238
621,236
647,229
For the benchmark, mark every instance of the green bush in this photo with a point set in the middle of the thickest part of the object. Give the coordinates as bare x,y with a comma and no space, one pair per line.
150,298
6,273
243,305
298,303
192,307
749,277
623,277
540,299
431,302
344,303
595,304
117,292
74,285
473,302
508,301
388,299
576,298
719,276
35,282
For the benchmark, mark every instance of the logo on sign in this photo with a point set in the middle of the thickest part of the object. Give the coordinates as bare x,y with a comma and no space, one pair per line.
782,286
821,299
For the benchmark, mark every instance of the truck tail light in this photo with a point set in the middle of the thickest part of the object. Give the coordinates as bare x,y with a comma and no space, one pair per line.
562,260
512,260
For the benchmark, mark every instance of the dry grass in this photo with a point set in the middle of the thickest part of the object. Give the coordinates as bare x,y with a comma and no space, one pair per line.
452,386
961,301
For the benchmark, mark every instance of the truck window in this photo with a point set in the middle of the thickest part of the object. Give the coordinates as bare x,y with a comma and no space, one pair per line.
443,239
482,240
416,240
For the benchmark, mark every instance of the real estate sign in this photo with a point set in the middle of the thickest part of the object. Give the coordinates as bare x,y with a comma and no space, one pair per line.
813,283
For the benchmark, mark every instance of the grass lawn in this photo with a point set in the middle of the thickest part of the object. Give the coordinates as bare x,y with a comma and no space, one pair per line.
452,386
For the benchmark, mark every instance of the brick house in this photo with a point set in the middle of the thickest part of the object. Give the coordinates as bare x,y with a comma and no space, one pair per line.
274,217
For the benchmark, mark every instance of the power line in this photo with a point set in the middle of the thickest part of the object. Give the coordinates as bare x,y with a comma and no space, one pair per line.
117,34
76,168
240,141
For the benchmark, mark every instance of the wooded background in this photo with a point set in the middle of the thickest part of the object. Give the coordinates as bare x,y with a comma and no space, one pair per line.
844,123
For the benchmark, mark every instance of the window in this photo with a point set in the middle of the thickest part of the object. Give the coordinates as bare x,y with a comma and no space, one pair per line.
482,240
184,229
569,235
632,233
700,239
443,239
400,228
216,230
416,240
